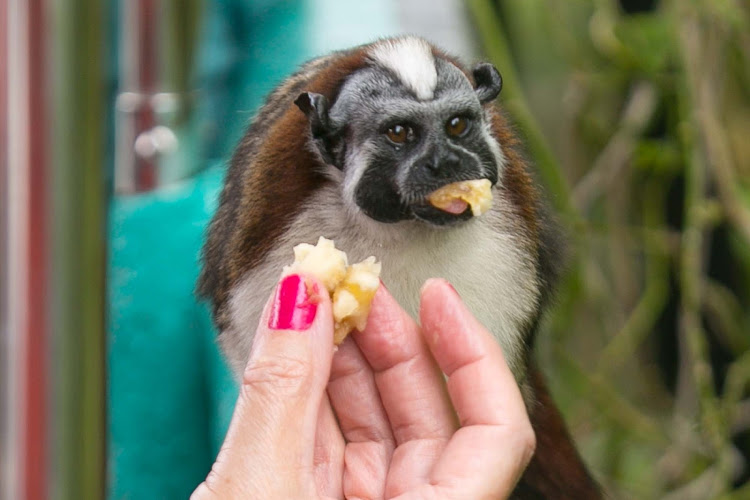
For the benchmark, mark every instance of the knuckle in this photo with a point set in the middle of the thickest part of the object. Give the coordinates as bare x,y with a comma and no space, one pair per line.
202,492
526,441
206,490
216,485
277,376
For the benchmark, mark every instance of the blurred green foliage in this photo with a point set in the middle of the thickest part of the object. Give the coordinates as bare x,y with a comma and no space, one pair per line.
636,116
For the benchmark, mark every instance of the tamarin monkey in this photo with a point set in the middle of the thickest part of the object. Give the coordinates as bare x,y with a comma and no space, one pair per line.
349,148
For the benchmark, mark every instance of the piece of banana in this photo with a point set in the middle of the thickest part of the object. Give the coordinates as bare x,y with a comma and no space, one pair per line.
351,287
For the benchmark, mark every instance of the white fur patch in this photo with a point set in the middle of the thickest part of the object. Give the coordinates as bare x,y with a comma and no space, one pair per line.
412,61
356,165
492,142
485,260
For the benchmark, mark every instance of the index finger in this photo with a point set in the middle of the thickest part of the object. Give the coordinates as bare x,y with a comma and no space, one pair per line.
276,415
490,451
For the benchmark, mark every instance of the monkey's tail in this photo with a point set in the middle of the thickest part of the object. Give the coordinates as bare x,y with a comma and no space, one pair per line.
557,471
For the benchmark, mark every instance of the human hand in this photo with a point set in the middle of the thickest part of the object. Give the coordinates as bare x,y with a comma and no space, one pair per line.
399,429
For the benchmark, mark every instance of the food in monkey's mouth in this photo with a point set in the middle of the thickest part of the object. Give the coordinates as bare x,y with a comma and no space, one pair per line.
455,197
351,287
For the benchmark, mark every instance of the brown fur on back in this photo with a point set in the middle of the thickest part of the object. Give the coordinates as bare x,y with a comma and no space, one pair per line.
261,202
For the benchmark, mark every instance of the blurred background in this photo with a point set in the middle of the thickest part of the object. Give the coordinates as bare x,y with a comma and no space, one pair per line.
116,122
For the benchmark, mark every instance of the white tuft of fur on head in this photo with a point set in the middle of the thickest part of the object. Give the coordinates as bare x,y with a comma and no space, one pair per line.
412,61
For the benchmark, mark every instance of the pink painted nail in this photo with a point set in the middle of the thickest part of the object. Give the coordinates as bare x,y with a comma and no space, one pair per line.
292,308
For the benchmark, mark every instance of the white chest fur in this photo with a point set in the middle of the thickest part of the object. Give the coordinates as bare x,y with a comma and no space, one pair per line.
485,259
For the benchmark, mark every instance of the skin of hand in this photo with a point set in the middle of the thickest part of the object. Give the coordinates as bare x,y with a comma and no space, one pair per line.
398,411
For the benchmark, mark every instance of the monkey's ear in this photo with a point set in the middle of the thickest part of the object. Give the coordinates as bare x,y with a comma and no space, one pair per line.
315,107
489,82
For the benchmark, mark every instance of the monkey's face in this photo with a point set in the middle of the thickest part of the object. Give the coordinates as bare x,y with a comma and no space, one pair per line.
396,147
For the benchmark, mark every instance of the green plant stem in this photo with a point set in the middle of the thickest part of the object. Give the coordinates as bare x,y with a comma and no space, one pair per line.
691,259
646,313
743,493
607,400
737,381
497,49
618,152
726,312
713,132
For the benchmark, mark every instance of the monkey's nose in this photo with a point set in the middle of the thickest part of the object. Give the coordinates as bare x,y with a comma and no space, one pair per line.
442,163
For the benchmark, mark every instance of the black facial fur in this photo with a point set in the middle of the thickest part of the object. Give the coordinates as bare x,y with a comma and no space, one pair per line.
376,195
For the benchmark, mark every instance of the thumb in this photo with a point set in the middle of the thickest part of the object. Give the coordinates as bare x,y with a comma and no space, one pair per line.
283,384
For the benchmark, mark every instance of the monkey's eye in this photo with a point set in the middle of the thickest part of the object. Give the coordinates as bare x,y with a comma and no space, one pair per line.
398,134
456,126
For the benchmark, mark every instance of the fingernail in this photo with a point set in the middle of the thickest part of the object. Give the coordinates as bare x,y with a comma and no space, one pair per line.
292,308
453,288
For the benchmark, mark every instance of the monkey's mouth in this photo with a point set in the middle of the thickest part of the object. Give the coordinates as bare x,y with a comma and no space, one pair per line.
438,217
455,202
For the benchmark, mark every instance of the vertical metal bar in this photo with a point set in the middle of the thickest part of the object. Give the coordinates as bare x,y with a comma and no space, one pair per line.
91,260
9,335
157,38
18,230
147,41
79,203
127,101
139,77
35,463
27,198
5,403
